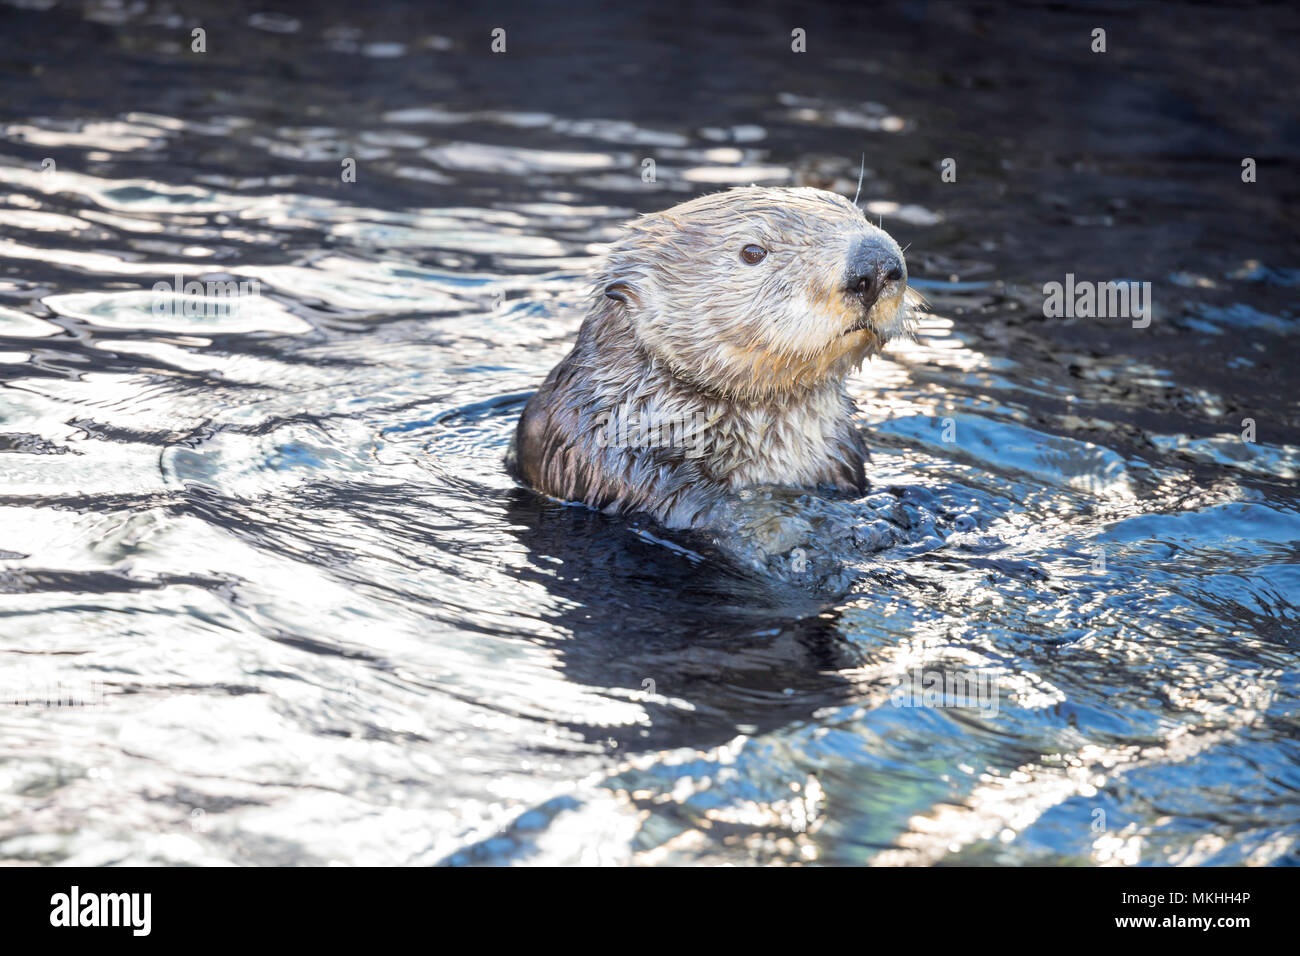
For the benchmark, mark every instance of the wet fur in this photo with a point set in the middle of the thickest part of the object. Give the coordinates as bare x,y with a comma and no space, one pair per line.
759,354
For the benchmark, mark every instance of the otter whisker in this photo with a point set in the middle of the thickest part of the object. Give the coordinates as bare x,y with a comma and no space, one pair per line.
861,172
758,233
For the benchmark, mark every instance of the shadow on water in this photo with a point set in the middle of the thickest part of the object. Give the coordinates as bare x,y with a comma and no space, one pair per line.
732,651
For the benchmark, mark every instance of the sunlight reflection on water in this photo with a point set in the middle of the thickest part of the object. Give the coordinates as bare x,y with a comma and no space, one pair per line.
278,544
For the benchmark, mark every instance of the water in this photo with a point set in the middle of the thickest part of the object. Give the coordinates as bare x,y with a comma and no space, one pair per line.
269,597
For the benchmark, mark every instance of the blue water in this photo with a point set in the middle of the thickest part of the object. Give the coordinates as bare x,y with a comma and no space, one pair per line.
268,596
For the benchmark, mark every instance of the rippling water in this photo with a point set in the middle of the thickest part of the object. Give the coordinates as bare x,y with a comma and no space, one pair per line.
268,595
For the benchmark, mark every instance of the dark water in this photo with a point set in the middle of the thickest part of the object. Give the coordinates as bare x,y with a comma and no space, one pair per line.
268,596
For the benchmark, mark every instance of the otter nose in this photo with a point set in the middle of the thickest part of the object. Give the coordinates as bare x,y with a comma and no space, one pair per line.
872,266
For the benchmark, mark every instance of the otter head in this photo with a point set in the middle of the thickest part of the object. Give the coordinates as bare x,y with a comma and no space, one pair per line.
756,292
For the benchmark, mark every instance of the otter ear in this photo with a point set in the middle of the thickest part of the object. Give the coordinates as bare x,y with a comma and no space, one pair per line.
621,290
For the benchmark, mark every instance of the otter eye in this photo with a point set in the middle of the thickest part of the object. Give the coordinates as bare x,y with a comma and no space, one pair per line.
753,254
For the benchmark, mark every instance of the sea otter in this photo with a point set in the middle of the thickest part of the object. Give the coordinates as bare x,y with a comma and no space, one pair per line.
713,358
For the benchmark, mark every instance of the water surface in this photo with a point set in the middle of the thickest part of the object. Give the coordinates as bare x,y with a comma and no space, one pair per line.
267,595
